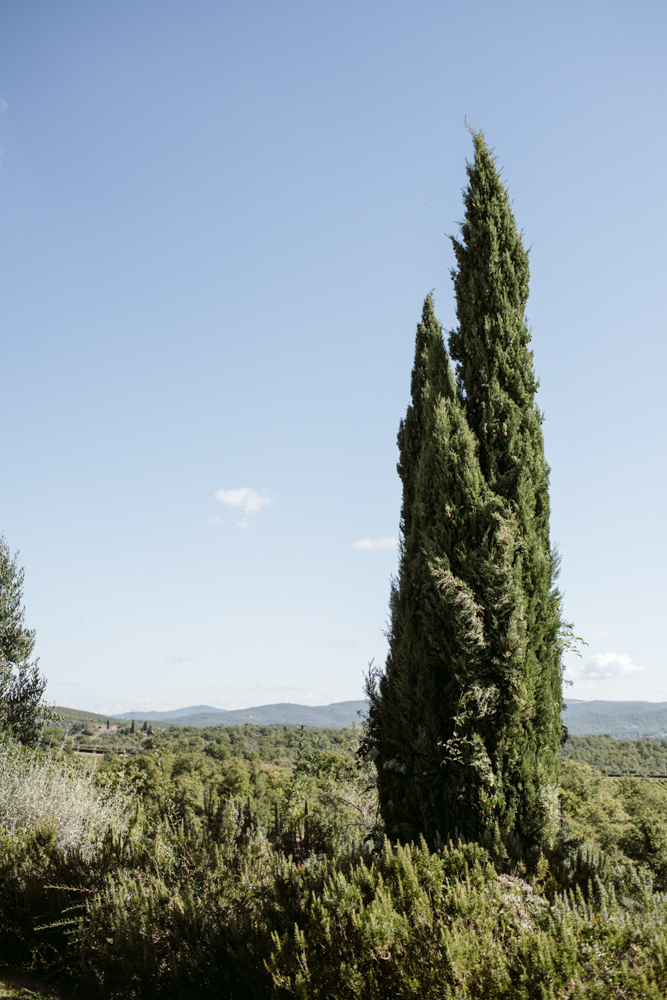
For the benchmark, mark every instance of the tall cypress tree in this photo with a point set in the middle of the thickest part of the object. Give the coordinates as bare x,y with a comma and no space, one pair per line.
464,724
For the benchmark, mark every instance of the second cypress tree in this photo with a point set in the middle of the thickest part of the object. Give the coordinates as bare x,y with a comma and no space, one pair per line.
465,722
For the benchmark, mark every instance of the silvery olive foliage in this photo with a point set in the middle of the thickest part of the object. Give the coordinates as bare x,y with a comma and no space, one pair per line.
21,685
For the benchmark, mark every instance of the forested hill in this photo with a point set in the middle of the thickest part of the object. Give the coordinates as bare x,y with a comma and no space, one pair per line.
613,756
621,719
339,715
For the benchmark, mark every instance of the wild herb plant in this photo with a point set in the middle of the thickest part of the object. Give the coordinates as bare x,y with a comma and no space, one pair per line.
164,907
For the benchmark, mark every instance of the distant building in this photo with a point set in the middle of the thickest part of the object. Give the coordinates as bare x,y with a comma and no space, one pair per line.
101,727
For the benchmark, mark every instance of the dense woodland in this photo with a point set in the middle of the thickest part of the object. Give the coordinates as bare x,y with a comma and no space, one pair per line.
457,845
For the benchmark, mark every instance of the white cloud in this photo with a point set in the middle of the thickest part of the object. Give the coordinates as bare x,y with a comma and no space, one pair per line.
599,635
375,544
606,665
3,105
182,658
250,500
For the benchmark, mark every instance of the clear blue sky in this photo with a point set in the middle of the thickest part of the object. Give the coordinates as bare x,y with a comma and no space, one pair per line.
219,221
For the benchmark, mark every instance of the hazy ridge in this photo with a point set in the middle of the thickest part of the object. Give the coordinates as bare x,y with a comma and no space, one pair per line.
621,719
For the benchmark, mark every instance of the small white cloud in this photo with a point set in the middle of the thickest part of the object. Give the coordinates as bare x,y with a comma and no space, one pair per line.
605,665
375,544
599,635
3,105
250,500
182,658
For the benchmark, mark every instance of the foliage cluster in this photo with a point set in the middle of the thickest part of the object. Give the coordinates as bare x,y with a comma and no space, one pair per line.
465,724
617,756
626,817
21,684
282,779
191,897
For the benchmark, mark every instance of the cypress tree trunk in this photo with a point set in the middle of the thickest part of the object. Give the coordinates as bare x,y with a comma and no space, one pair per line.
464,724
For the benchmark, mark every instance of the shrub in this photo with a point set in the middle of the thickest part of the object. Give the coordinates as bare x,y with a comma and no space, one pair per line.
169,908
39,789
447,926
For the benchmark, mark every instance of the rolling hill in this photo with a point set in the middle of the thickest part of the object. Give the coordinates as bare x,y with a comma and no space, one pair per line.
339,715
620,719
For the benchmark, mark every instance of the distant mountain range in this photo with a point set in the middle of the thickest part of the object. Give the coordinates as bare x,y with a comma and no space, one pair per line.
175,713
622,719
339,715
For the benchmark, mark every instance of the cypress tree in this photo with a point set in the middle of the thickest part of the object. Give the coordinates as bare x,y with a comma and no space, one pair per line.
464,724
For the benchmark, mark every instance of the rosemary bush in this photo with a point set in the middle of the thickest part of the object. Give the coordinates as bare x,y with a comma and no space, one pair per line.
167,908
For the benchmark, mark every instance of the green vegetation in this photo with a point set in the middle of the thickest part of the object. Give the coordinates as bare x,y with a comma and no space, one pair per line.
21,684
431,853
465,723
275,776
71,716
625,817
617,756
21,987
192,893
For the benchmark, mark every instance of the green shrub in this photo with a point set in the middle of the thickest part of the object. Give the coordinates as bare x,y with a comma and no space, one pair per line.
414,924
626,818
174,904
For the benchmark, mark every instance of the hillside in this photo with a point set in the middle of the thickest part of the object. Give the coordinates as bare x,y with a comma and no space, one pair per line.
622,719
614,756
338,715
69,716
77,715
175,713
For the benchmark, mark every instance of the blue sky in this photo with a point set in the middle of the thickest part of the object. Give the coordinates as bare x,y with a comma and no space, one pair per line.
219,222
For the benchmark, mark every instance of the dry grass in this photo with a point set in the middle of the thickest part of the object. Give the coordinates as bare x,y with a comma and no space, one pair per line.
40,788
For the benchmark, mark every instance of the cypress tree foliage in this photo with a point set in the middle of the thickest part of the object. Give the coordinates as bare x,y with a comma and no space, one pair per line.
464,724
